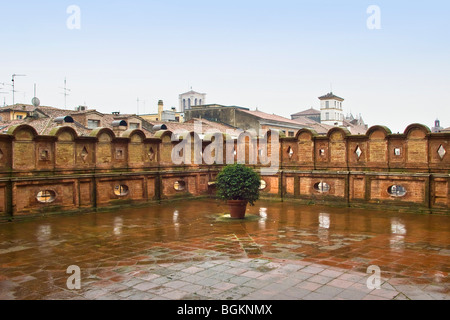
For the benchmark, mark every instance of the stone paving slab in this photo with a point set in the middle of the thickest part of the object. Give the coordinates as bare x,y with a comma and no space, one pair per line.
154,258
146,283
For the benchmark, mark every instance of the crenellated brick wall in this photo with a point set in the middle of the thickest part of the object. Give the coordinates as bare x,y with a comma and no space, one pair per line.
65,172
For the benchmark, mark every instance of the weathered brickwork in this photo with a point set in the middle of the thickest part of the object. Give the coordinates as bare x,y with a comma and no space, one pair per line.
65,172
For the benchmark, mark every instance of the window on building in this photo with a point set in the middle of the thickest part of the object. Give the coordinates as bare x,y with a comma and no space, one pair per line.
327,116
184,103
189,103
263,185
397,191
397,152
47,196
92,124
151,154
120,154
291,133
327,104
196,101
84,154
134,126
121,190
19,117
322,187
44,155
441,152
200,103
179,185
290,152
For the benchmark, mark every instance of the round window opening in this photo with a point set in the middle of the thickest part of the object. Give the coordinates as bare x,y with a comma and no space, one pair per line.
397,191
47,196
121,190
263,185
179,185
322,187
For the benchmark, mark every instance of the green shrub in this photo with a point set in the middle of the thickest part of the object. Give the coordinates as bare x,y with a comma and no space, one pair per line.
238,182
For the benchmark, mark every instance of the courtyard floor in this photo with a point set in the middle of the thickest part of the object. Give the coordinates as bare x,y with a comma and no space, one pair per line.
190,250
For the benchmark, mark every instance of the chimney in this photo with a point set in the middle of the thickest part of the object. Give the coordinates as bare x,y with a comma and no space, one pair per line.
119,126
160,109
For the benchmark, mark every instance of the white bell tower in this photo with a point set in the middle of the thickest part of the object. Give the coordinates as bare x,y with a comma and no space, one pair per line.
331,110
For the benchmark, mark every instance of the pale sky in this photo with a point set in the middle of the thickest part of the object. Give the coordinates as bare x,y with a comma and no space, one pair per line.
277,56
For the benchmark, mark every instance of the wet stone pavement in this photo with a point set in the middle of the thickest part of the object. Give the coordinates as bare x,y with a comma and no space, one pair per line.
189,250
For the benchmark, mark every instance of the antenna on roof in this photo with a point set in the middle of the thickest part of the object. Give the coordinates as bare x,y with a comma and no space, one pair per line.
65,93
35,101
13,83
137,106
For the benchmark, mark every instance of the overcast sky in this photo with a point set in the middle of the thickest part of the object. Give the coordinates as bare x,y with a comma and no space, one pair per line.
277,56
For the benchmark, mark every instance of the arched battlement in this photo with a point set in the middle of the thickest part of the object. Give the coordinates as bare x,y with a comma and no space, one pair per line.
23,132
417,126
64,133
378,129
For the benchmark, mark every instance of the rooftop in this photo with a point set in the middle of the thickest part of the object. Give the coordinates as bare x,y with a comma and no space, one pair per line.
330,96
308,112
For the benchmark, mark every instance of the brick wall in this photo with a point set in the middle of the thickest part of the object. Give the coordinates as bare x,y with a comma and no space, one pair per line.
104,170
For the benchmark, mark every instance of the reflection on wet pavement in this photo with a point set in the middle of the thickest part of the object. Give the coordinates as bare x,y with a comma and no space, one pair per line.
190,250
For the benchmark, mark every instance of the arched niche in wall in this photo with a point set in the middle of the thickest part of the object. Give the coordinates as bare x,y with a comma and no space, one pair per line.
338,145
64,146
417,143
378,144
165,136
305,142
135,146
104,150
24,147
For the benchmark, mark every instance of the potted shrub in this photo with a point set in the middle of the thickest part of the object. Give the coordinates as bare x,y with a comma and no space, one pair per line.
239,186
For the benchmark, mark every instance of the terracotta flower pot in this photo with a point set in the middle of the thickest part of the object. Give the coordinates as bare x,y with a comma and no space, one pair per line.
237,208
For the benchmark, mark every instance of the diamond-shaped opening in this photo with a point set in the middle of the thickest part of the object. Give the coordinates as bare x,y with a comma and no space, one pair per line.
84,154
290,152
441,152
358,152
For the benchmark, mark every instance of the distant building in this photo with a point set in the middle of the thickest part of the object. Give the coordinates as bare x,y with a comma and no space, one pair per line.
244,118
311,114
16,112
330,115
331,110
437,127
191,99
83,120
164,115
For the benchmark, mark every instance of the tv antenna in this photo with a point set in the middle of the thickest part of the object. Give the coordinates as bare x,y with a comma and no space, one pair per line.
35,101
139,100
4,99
137,106
65,93
13,83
